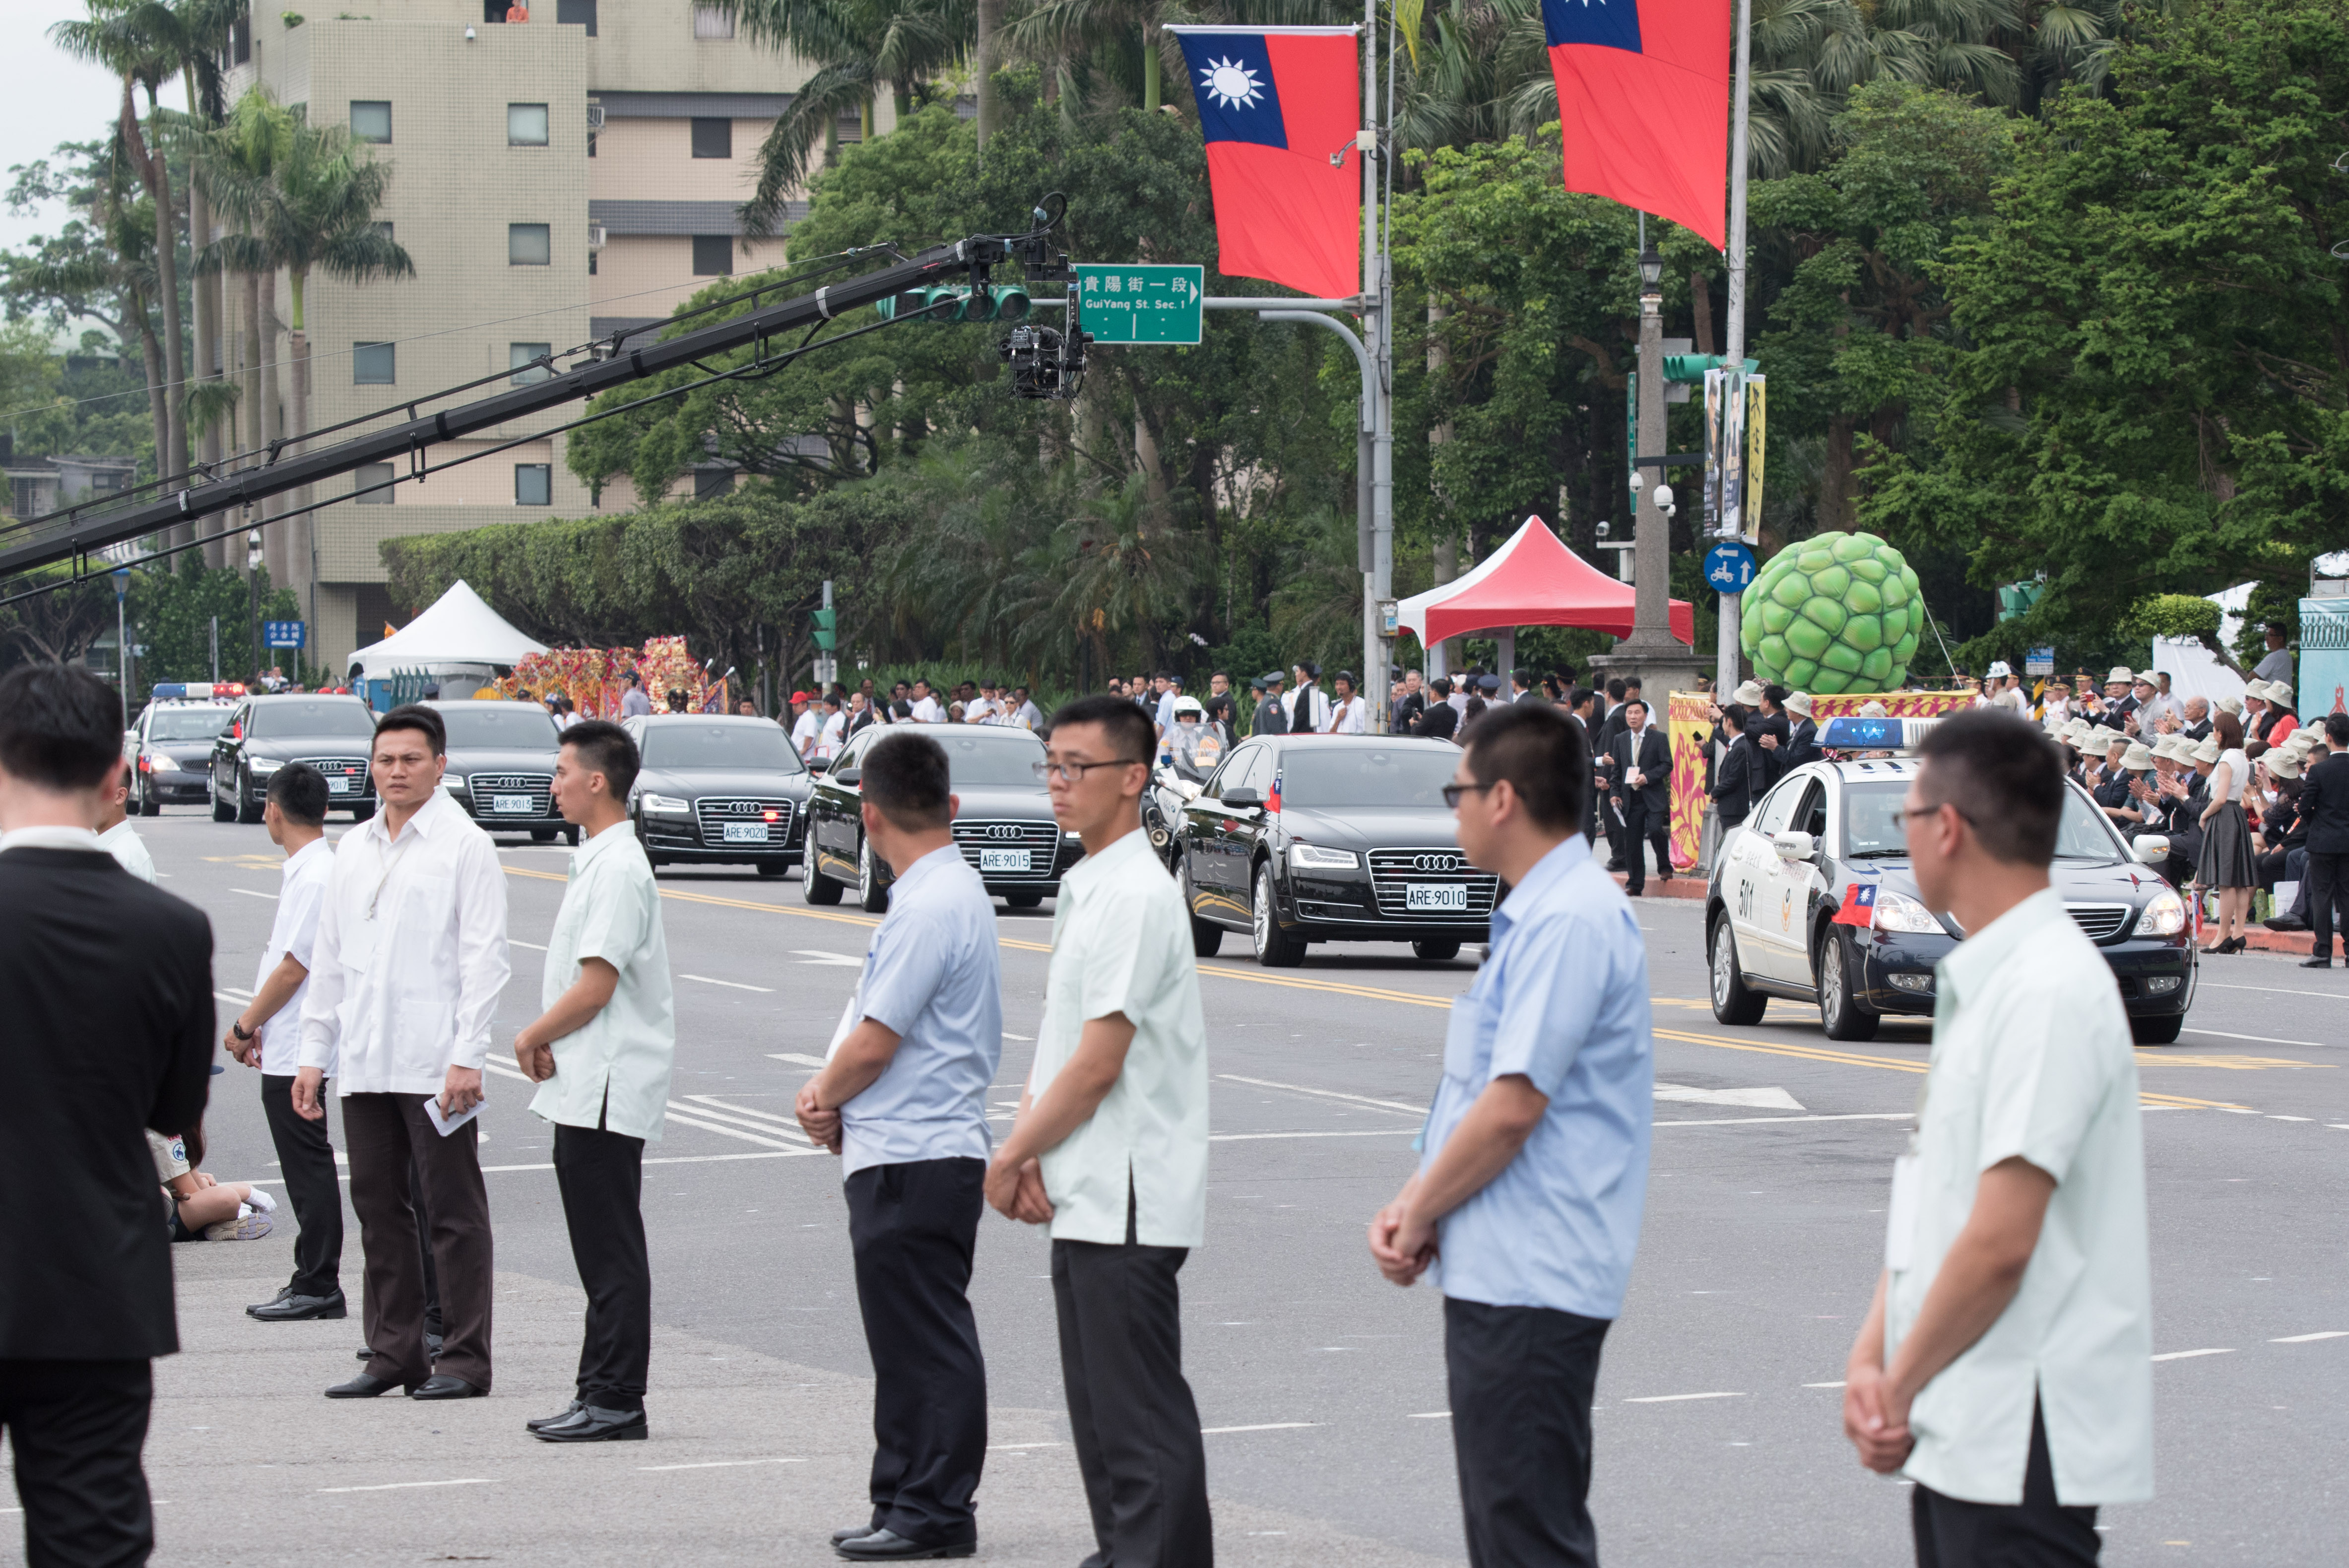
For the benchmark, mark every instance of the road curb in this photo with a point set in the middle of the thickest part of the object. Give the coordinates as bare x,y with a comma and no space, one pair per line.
1682,885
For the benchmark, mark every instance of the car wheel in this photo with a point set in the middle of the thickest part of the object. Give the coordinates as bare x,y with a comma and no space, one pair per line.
222,810
245,812
1024,898
1275,948
1840,1012
570,837
2158,1031
362,811
1731,1002
773,867
541,835
1436,952
148,805
1207,937
814,886
872,893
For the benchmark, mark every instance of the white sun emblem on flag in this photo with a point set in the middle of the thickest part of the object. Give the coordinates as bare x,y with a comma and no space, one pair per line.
1232,84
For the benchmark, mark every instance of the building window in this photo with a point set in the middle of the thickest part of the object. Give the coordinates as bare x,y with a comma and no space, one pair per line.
591,264
529,245
576,13
373,364
525,125
591,144
713,138
711,482
240,41
382,232
522,358
533,484
373,481
713,255
370,120
709,22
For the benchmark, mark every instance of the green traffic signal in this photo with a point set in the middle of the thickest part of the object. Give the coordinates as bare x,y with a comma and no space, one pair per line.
827,629
1691,368
955,304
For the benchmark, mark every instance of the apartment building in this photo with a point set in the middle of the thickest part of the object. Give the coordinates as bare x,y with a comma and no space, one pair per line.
553,179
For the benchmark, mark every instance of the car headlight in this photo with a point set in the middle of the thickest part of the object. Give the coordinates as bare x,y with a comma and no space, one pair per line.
2164,916
452,780
1318,858
667,805
1898,912
260,767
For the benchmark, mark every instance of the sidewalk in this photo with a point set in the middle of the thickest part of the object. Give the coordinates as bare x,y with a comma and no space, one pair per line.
753,1460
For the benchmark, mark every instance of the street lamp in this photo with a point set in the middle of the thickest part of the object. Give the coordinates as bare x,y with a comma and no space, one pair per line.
253,577
1651,270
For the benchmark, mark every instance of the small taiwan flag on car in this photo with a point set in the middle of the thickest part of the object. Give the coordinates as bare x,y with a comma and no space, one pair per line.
1858,905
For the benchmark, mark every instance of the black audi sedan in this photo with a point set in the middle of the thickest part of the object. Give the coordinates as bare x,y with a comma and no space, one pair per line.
1828,837
1005,827
169,749
501,767
717,789
335,734
1332,838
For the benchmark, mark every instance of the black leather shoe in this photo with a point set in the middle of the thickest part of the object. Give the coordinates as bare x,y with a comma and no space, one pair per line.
431,1348
591,1425
541,1423
442,1386
888,1546
2286,922
2316,964
367,1385
852,1532
291,1309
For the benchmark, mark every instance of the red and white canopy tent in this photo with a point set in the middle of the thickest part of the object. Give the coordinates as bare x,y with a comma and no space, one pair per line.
1533,580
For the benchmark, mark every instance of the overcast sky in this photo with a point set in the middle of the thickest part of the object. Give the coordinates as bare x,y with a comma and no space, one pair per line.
51,98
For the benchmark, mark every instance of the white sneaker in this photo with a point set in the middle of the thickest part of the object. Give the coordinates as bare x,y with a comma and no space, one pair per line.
250,1228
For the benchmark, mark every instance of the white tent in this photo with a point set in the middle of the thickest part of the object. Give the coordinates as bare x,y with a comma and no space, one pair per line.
459,635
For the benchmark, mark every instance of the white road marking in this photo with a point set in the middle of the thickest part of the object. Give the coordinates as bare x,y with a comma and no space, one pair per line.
2305,1338
1263,1136
2255,1039
1752,1121
252,892
405,1485
730,985
721,1464
1751,1099
534,947
1326,1094
749,1116
1677,1399
799,1058
1264,1426
680,1160
1005,1448
1024,1039
1836,1384
2272,990
1430,1416
2189,1355
2273,1116
820,956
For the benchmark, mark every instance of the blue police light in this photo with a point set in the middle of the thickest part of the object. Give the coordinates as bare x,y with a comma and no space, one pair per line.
1866,735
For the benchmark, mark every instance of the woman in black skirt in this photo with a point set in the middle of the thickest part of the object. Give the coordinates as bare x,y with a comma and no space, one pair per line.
2229,863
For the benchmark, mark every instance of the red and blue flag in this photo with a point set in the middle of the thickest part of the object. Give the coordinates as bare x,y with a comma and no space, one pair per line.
1279,108
1858,905
1643,104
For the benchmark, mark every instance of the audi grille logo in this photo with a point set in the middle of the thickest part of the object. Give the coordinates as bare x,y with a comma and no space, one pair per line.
1003,830
743,808
1437,862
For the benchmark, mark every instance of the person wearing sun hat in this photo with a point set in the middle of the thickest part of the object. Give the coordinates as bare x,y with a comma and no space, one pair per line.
2117,704
1803,733
2286,723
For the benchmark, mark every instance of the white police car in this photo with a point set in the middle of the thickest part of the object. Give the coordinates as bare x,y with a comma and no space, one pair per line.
170,745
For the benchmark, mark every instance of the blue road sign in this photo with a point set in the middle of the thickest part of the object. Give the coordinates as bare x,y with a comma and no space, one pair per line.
285,633
1729,568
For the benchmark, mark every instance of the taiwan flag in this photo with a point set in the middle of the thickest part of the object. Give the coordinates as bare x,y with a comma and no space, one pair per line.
1279,108
1858,905
1643,104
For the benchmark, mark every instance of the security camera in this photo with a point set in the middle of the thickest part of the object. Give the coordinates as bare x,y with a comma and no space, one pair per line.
1664,498
1602,527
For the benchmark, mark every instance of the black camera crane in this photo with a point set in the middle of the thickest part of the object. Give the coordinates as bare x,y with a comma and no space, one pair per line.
1044,364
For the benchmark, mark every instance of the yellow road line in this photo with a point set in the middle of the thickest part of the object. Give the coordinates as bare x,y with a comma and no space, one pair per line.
1806,1053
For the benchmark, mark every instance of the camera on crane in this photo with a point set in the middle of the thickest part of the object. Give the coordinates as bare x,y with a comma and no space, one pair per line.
1045,361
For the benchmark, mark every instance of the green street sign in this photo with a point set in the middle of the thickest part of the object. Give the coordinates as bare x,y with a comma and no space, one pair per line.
1140,304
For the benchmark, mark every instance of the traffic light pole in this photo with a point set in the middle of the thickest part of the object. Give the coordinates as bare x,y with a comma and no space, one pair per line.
1731,631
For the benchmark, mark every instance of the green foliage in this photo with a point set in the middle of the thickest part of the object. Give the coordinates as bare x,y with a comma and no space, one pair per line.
171,605
1837,612
2173,615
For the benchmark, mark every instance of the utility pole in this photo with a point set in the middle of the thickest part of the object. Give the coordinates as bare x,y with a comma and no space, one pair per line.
122,639
1378,334
1724,676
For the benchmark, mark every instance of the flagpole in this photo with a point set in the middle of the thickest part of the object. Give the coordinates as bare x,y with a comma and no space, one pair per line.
1377,333
1724,676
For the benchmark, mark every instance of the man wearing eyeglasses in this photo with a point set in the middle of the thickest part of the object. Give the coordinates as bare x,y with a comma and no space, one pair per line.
1111,1146
1526,1203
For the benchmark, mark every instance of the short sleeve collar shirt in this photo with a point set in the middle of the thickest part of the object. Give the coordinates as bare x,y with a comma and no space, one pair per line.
1122,943
933,977
1563,1000
2031,1062
612,1071
123,842
294,930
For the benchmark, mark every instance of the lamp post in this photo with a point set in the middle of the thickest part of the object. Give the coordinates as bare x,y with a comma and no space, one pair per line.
122,576
253,577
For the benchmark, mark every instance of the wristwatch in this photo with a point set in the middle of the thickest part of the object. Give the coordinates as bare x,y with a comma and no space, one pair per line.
239,1031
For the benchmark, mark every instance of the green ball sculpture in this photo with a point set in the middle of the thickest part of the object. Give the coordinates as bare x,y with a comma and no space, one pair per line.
1832,613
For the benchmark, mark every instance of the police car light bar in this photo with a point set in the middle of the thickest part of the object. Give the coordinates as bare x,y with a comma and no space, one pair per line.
171,691
1876,734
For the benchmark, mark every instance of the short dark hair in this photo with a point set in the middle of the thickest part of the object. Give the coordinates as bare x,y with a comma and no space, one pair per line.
1441,686
1579,695
2227,728
905,779
415,716
1541,755
2009,776
1631,683
1734,715
1615,688
1523,677
1225,674
60,726
1776,694
300,792
605,747
1640,702
2336,729
1129,730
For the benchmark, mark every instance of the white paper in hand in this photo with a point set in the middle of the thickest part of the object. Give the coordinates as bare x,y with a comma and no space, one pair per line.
445,1125
849,1019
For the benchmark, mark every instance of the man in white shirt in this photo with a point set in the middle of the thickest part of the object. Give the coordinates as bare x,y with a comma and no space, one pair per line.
1024,713
410,956
268,1035
118,838
1162,708
832,729
927,709
903,1101
2005,1365
1307,705
807,725
1350,714
601,1054
987,708
1111,1146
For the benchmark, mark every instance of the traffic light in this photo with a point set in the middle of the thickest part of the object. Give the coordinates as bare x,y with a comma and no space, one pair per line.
952,304
2015,599
1691,368
827,629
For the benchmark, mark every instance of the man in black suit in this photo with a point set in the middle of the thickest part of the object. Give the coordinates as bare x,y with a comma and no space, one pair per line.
1581,705
106,982
1440,718
1610,725
1802,732
2325,806
1641,769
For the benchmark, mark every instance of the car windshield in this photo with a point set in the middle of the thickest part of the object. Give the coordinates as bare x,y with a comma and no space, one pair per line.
757,744
1872,825
1004,759
327,716
187,723
1359,776
504,725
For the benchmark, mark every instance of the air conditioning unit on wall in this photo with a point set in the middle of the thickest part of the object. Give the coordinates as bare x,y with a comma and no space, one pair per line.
594,237
595,117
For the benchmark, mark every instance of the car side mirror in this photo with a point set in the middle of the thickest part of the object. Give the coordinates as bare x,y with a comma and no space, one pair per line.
846,775
818,764
1242,800
1793,846
2151,849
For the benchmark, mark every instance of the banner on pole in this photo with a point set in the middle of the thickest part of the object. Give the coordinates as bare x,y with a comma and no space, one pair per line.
1724,452
1757,388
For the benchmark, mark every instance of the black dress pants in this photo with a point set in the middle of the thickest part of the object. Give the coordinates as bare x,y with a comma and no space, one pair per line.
2037,1532
76,1427
602,1178
1134,1425
2328,895
914,1227
1644,829
306,1156
1521,1378
385,1132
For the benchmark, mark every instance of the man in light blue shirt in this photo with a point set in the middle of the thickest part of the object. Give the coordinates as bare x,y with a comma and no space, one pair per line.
903,1100
1535,1162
